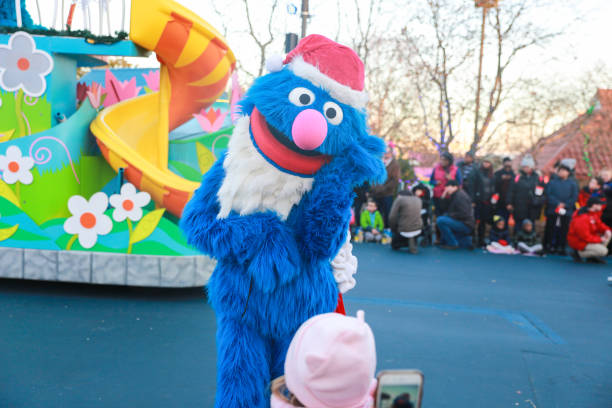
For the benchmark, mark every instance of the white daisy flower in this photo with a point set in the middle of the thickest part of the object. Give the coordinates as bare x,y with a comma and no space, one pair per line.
15,167
23,66
88,219
129,203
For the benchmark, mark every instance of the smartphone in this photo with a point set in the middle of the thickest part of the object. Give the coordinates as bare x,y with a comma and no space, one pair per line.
399,389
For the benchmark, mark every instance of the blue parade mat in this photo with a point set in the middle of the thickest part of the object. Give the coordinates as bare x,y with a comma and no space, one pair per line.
487,331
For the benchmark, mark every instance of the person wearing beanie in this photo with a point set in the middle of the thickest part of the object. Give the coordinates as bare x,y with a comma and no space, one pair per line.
499,237
526,240
443,172
466,166
561,195
330,363
405,220
503,180
456,223
588,236
526,193
594,188
482,192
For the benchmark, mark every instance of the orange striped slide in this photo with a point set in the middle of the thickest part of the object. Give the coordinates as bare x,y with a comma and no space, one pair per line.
196,64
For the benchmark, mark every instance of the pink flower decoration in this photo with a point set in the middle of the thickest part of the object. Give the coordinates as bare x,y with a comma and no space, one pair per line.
152,80
212,120
95,94
117,91
81,91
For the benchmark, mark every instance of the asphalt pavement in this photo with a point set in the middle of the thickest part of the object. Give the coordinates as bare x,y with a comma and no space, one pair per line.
487,330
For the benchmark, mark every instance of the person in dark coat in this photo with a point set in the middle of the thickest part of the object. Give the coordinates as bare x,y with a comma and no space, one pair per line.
405,221
362,193
457,222
526,194
424,194
526,240
383,193
503,180
482,189
606,215
466,166
561,195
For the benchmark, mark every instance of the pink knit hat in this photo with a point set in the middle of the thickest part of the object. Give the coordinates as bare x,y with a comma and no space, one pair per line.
331,362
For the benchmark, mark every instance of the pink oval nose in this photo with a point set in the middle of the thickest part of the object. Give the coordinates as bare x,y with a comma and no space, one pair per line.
309,129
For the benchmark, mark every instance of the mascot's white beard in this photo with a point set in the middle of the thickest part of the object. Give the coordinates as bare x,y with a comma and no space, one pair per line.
252,184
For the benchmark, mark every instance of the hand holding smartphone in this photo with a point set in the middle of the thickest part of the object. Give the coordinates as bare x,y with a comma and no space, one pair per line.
399,389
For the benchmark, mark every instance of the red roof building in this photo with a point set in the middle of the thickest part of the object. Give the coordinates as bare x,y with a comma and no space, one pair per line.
588,139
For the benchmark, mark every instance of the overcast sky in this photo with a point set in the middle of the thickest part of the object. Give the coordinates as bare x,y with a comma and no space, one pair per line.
586,42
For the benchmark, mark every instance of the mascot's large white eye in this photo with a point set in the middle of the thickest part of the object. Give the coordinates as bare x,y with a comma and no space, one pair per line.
301,96
333,113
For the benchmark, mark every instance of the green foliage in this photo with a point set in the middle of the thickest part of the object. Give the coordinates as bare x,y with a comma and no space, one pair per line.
152,248
38,114
47,197
50,32
185,170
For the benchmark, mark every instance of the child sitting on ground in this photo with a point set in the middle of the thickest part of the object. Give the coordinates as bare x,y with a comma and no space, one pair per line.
372,223
499,237
331,362
526,239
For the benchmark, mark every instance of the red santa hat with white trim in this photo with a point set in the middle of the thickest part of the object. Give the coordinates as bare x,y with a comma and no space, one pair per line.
329,65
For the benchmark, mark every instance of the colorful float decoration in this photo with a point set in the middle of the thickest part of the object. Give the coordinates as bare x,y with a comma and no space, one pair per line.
95,174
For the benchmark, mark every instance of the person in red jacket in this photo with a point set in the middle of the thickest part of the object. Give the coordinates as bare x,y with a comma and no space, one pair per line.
588,236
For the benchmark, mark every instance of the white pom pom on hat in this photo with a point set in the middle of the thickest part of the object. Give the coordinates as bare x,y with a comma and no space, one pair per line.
274,63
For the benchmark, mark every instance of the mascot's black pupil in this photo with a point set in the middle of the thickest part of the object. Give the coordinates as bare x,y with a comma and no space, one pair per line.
330,113
304,99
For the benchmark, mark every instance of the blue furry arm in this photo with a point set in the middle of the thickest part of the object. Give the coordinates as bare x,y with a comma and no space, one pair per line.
261,242
324,215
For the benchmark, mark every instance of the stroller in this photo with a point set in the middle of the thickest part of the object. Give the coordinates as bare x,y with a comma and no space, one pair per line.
424,193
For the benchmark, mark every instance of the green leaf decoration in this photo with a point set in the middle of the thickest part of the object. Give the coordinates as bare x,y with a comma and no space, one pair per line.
206,158
147,225
6,233
185,170
6,192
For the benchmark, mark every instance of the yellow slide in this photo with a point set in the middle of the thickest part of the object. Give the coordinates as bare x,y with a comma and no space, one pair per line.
196,64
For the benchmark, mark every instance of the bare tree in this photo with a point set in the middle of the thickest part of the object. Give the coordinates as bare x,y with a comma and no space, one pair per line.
434,60
261,42
513,34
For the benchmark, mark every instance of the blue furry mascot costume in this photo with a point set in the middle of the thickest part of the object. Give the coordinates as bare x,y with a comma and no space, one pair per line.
8,15
275,211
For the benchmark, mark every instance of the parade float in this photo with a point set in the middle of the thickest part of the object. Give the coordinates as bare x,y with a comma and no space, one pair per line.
96,171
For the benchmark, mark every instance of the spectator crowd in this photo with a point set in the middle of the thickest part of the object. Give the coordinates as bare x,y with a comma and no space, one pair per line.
506,211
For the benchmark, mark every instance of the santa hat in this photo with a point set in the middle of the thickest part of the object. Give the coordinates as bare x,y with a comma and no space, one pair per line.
332,66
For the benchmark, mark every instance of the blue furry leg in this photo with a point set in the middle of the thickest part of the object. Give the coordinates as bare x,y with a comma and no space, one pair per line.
243,373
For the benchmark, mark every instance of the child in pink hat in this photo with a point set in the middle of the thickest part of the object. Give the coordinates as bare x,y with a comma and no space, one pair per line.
330,363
